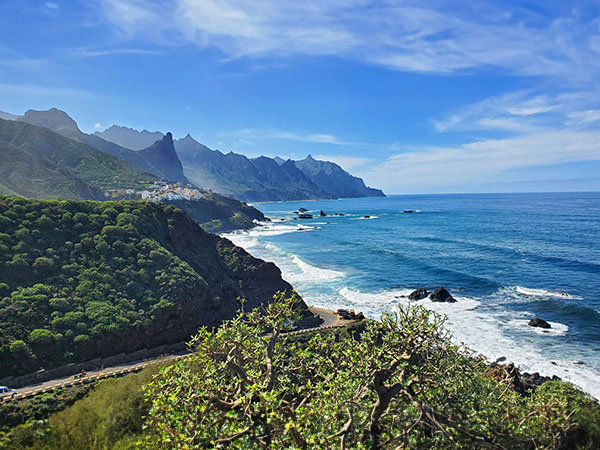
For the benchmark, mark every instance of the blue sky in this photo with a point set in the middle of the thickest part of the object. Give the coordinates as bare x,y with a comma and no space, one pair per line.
414,96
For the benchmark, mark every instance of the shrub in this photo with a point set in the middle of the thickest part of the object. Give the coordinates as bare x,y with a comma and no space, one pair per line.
81,339
399,383
18,346
59,304
41,336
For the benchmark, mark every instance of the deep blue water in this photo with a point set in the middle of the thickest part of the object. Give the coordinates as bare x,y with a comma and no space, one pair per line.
505,257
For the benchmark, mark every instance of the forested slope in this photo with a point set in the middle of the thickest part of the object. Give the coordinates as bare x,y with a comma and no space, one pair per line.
79,280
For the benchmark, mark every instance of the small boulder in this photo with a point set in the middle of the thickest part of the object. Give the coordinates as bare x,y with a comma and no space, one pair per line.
408,211
441,295
540,323
302,210
322,213
506,374
418,294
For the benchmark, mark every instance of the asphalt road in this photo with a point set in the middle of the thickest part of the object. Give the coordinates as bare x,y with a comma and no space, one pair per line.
330,320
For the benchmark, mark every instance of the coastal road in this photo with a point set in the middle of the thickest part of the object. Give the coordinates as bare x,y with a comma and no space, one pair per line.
330,320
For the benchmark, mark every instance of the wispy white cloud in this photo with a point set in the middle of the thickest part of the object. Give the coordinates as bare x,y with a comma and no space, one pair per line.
115,51
35,91
433,168
15,60
525,111
315,138
318,138
400,34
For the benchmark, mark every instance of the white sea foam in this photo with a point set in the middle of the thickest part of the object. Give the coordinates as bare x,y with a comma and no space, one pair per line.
314,272
294,269
489,333
545,293
367,218
557,328
493,333
270,229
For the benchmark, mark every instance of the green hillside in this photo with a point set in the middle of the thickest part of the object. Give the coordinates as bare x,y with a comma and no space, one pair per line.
217,213
38,163
80,280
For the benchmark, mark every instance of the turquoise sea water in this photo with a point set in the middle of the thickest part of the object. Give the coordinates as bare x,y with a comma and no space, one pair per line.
505,257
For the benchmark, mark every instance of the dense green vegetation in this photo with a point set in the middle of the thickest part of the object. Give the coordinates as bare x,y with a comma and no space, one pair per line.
111,416
40,407
80,280
38,163
399,383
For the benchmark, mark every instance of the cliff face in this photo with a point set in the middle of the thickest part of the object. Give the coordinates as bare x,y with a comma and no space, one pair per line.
332,178
162,155
259,179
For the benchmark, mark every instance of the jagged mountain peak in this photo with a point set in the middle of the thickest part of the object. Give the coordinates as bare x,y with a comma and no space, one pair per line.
163,155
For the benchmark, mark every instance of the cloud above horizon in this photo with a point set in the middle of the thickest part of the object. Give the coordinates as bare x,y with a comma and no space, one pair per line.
482,162
406,35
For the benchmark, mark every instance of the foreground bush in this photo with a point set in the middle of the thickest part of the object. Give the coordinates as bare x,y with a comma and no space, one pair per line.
110,417
400,383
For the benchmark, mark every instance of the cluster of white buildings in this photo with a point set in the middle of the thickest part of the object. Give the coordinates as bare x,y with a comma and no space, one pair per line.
159,191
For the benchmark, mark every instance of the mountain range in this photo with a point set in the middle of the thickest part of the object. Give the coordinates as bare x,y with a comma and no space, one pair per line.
160,160
257,179
187,160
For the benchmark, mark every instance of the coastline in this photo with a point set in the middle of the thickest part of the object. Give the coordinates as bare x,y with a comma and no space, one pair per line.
472,320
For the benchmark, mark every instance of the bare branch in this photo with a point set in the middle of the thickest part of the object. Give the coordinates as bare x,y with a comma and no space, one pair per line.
230,439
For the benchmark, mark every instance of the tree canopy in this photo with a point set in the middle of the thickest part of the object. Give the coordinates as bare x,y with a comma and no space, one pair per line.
394,383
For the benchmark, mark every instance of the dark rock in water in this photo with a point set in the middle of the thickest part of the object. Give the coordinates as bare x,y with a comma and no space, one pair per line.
501,359
441,295
305,216
419,294
407,211
322,213
537,322
579,363
302,210
366,217
296,212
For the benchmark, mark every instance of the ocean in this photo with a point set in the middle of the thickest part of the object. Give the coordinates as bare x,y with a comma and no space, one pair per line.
506,258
